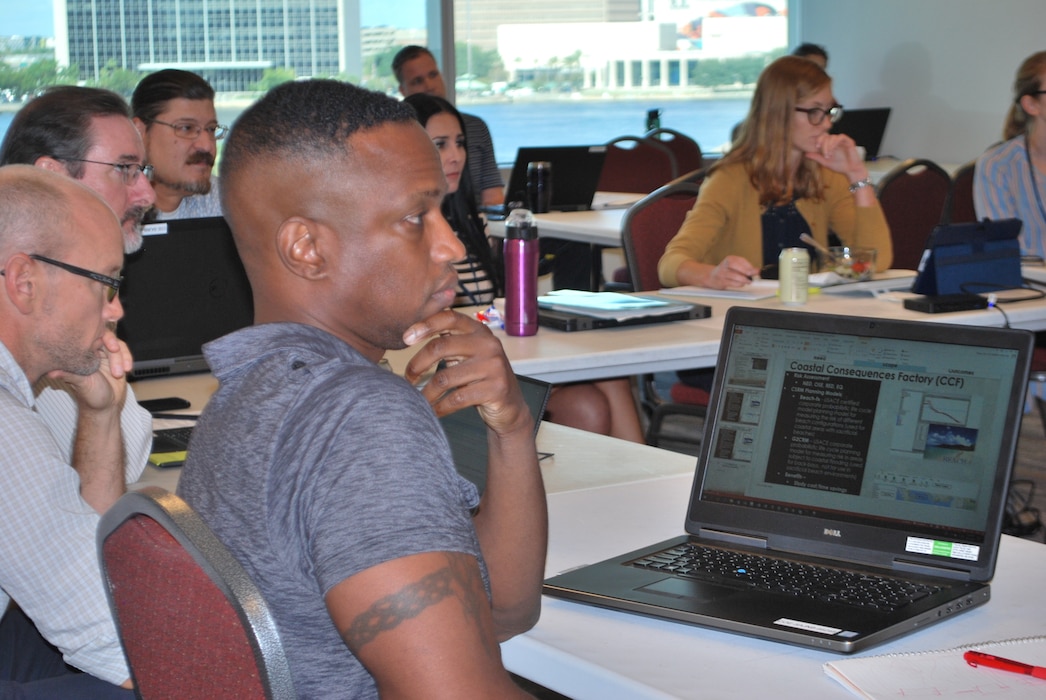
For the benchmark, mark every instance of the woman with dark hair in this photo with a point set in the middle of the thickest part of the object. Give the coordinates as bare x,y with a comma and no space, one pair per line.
1010,178
605,407
479,277
785,175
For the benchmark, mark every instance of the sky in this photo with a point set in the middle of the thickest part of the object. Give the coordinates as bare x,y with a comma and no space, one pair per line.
21,18
34,17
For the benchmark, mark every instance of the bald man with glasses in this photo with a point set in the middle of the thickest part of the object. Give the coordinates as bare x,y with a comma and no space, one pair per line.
61,253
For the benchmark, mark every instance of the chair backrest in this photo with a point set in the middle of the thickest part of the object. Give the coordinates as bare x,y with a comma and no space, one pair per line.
913,196
192,623
685,149
649,225
959,209
636,164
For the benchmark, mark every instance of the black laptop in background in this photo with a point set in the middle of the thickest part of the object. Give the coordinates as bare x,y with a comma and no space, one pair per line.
866,127
575,175
185,287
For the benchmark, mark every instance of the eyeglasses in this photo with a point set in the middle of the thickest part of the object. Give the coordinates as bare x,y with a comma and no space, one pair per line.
113,283
816,115
128,171
189,130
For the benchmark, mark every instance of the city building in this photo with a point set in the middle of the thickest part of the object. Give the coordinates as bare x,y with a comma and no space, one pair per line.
229,42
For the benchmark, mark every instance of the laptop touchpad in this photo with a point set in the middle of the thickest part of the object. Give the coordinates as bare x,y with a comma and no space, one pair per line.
697,591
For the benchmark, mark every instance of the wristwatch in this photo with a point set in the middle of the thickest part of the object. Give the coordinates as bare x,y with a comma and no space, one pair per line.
859,184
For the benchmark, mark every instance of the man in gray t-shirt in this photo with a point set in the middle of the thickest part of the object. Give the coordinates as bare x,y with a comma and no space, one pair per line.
327,476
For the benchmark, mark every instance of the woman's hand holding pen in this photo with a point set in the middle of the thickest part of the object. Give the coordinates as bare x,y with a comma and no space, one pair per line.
733,271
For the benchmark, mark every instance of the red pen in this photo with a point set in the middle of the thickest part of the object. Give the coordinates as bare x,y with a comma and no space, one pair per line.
979,658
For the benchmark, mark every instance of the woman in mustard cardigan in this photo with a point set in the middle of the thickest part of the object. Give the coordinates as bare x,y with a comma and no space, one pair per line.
785,175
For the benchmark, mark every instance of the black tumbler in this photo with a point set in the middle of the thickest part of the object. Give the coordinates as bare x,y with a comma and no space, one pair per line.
539,186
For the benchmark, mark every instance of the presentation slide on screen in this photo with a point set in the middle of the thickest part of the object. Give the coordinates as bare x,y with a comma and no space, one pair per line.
853,426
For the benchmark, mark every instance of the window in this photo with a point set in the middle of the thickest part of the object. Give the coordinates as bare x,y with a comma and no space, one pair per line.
549,72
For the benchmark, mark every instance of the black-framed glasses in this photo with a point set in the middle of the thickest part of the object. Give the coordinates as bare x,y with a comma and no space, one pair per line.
816,115
113,283
191,130
128,171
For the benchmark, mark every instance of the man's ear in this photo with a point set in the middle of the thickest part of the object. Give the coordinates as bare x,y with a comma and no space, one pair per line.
19,283
52,164
141,126
300,244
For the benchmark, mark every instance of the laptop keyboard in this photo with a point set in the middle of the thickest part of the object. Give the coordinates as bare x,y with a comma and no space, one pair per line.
171,439
820,583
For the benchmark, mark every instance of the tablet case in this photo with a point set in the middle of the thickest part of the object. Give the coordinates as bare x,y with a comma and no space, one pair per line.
971,258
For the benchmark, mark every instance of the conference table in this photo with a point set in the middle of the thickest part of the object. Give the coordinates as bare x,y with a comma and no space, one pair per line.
558,356
605,497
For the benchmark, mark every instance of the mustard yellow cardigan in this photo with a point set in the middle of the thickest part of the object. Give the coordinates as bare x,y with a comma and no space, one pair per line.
727,220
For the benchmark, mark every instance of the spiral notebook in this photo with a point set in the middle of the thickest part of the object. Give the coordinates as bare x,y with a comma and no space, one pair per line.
943,673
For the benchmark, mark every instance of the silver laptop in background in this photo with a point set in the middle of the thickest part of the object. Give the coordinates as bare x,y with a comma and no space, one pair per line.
850,486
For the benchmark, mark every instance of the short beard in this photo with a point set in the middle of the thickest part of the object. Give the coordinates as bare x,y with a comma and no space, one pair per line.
132,240
187,186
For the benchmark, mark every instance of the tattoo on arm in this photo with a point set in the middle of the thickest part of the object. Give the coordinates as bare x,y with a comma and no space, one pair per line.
413,599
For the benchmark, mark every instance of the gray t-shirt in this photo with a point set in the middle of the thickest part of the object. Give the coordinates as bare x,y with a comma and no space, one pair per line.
313,464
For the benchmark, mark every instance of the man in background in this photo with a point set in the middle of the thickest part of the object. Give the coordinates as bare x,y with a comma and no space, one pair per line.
416,71
385,571
812,52
87,134
174,113
61,252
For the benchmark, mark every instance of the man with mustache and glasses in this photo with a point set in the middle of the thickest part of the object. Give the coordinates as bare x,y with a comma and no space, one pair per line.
174,113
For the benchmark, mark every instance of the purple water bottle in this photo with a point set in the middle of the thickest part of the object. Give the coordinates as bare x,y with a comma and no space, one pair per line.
521,273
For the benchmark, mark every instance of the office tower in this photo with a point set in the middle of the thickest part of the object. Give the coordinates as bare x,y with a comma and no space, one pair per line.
229,42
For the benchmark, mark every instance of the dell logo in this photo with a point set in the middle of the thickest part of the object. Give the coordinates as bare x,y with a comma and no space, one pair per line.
829,532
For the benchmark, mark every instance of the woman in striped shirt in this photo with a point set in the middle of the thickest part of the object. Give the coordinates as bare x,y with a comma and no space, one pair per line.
607,407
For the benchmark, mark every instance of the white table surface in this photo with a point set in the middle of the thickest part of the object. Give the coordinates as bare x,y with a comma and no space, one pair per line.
598,226
589,653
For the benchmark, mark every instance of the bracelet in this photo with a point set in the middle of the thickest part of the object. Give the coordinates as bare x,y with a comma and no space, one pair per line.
859,184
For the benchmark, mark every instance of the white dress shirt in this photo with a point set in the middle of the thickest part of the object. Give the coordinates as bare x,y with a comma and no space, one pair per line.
48,557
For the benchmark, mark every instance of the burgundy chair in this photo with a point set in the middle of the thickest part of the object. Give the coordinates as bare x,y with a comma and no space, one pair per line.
959,207
685,149
913,196
646,229
636,164
192,623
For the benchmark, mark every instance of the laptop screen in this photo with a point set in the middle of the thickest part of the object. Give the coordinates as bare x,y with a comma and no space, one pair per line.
184,288
885,435
575,174
866,127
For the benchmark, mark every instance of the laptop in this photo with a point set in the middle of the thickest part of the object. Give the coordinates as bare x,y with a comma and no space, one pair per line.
466,432
574,310
866,127
870,458
575,175
184,288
